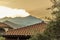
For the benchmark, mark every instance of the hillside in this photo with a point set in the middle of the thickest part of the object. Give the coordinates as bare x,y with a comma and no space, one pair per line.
22,21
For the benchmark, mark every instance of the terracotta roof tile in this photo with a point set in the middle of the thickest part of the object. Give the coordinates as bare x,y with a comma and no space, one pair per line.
3,25
29,30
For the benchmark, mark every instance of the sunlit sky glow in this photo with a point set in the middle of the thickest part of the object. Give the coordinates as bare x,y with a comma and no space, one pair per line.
10,12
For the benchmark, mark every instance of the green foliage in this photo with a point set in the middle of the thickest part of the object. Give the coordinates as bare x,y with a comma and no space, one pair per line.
53,30
39,37
1,38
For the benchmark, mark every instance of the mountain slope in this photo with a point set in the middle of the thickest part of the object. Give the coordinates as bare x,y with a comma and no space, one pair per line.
22,22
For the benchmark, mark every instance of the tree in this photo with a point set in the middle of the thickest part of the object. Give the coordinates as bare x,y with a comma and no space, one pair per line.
39,37
53,30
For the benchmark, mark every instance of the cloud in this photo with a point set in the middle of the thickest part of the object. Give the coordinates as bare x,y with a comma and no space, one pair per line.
9,12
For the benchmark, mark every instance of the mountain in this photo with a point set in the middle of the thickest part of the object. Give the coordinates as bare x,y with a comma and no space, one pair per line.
4,19
22,21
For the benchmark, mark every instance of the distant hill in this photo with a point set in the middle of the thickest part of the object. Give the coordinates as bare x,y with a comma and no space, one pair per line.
4,19
23,21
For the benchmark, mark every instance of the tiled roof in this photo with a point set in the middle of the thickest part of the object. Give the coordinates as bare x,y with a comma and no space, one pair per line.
3,25
19,22
28,30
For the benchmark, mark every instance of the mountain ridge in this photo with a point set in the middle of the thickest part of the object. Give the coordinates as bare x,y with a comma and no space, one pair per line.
22,22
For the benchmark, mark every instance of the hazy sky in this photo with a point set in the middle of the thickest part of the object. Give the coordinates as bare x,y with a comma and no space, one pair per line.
26,4
35,7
